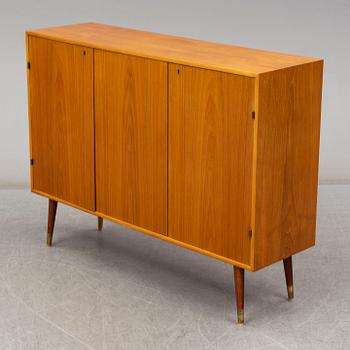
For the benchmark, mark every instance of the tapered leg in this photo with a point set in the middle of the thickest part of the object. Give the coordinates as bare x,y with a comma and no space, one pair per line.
239,288
288,271
99,223
51,221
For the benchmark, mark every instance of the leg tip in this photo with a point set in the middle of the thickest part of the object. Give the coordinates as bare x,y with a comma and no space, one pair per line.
290,292
240,316
49,240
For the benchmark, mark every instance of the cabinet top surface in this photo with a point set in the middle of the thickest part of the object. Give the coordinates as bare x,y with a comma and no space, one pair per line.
198,53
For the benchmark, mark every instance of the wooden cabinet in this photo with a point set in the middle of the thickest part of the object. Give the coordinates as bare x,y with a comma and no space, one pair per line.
208,146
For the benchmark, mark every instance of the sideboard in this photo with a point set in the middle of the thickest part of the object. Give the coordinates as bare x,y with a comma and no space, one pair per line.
209,146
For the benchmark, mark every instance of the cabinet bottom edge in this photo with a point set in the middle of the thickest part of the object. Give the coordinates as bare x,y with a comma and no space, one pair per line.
148,232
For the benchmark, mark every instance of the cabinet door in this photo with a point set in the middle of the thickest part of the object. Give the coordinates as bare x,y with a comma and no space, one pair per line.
61,120
210,160
131,139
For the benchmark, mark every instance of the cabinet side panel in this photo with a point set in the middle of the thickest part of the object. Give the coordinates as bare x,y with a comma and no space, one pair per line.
131,139
29,119
289,109
61,120
210,160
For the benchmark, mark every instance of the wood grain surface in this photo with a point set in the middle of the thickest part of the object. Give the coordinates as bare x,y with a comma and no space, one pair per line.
287,162
198,53
131,139
61,117
210,160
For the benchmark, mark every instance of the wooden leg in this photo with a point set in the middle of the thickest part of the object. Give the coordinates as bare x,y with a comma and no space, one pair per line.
99,223
288,271
51,221
239,288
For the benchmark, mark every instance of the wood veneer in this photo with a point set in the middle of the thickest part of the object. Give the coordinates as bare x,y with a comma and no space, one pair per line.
287,162
169,48
61,119
131,139
209,186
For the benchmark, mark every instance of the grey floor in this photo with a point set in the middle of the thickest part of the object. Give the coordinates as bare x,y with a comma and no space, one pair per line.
119,289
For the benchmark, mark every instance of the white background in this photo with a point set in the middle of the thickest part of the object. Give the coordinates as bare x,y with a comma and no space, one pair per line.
313,28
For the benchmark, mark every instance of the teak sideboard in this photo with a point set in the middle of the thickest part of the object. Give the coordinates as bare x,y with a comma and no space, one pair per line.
208,146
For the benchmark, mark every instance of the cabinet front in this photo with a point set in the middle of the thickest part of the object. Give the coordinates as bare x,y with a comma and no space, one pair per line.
61,120
210,160
131,139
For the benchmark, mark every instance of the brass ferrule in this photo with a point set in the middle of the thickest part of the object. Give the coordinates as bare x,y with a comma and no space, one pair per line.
240,316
